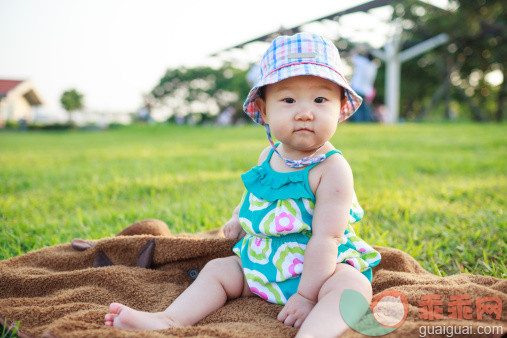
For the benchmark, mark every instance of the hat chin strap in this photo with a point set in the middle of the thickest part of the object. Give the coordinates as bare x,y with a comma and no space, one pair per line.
309,160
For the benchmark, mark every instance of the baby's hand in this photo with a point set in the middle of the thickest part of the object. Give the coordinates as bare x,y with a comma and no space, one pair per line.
233,229
296,310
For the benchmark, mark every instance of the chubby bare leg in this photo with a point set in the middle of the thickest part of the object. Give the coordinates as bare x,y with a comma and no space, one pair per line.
325,319
220,280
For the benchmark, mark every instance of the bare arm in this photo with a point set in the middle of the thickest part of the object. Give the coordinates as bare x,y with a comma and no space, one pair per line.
332,208
330,218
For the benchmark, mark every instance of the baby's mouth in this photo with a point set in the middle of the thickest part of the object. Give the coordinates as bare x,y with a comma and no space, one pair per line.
307,130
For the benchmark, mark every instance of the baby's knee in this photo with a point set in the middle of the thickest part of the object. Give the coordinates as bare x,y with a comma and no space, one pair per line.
347,277
226,267
215,266
226,271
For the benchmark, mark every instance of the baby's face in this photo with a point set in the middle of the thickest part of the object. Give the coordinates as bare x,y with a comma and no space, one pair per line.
302,111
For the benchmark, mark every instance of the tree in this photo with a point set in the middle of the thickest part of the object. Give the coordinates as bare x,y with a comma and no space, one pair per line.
459,69
202,90
71,100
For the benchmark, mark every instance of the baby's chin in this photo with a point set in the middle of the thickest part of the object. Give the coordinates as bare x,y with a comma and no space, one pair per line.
307,149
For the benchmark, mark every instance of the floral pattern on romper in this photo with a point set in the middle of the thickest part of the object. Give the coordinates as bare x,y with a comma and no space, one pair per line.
276,213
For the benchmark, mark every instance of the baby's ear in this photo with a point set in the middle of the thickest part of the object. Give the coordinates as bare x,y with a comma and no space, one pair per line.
260,104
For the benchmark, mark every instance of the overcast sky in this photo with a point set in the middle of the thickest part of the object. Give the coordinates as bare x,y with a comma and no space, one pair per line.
113,51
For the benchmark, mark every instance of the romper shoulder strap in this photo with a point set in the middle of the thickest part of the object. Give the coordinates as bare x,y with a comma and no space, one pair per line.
271,151
329,153
334,151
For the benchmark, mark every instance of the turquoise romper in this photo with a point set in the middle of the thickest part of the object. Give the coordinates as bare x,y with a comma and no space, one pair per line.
276,213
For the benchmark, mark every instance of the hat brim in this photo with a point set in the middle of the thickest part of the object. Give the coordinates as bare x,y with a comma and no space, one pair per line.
350,104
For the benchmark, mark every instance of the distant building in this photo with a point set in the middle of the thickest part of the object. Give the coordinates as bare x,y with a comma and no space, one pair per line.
17,100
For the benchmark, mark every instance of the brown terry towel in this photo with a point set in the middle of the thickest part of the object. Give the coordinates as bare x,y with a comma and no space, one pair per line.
56,292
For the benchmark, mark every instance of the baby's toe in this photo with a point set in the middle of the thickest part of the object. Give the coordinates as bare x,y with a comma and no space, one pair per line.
115,308
109,317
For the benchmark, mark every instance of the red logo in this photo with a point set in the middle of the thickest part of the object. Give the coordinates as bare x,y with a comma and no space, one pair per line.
390,308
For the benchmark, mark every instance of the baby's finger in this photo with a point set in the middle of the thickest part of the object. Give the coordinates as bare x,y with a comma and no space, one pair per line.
282,315
290,320
298,323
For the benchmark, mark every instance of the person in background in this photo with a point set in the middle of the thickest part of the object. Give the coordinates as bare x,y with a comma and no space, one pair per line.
363,79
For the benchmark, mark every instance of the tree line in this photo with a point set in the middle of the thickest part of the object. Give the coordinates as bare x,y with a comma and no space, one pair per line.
453,77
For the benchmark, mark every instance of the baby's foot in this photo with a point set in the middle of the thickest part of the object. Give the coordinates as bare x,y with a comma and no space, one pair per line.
123,317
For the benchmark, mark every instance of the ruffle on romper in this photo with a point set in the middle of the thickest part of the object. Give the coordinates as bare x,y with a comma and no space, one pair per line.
356,252
269,185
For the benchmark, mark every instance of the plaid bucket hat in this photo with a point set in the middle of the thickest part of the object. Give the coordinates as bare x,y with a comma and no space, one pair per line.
302,54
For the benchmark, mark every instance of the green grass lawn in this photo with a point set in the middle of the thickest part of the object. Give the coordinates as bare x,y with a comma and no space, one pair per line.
436,190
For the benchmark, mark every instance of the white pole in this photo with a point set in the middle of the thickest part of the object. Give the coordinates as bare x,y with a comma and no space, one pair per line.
393,59
393,67
393,70
424,46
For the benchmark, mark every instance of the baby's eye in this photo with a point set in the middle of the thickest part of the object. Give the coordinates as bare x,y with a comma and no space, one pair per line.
289,100
320,100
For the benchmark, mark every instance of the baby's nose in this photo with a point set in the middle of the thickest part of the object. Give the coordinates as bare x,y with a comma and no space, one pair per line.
304,114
